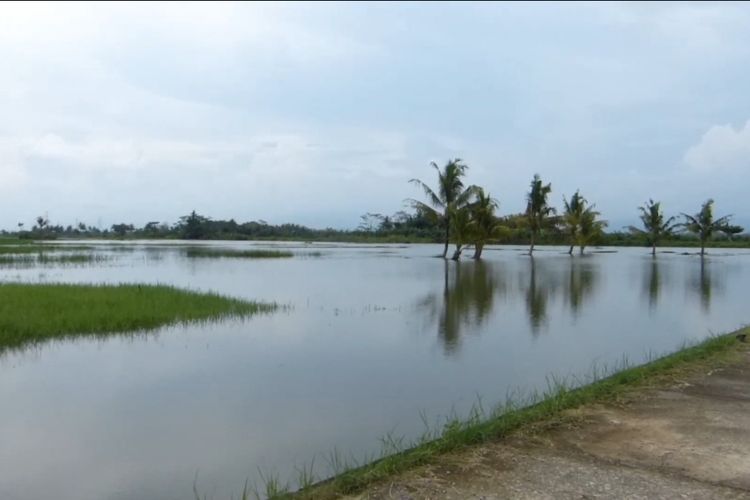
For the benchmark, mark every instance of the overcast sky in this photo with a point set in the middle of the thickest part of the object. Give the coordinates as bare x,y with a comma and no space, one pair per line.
317,114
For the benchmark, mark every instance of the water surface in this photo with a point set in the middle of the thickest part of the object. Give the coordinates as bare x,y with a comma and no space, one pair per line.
374,336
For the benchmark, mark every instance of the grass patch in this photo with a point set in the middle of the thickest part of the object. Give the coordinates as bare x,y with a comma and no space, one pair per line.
33,313
72,258
30,259
22,249
398,456
28,248
241,254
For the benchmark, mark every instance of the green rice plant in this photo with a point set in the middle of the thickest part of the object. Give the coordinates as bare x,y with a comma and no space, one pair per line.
22,249
72,258
33,313
17,259
241,254
48,259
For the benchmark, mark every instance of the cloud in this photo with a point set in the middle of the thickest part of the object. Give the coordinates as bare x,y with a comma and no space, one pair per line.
721,147
317,114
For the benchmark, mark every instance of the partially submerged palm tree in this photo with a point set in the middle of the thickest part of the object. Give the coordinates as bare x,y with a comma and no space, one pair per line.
573,217
581,223
483,224
655,227
591,227
537,208
704,225
460,219
451,195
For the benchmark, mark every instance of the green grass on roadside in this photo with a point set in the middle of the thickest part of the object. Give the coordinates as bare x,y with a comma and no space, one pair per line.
398,456
33,313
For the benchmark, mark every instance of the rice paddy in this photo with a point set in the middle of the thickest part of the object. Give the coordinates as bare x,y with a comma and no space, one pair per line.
32,313
238,254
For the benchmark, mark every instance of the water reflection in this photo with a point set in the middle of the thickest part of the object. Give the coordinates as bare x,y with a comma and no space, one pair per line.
652,283
137,419
537,295
582,280
703,284
468,296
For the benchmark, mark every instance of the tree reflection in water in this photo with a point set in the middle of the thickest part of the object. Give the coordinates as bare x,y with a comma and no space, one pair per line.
703,285
652,283
468,296
582,280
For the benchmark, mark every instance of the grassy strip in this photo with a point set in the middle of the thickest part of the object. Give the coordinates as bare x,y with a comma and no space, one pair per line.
46,259
244,254
72,258
33,313
507,418
22,249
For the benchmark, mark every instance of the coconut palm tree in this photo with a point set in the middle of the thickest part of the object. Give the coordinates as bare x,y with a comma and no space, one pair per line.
573,217
460,219
451,195
483,224
590,227
704,225
655,228
537,208
580,222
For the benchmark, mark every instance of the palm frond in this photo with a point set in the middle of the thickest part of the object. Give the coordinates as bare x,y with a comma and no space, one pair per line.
433,198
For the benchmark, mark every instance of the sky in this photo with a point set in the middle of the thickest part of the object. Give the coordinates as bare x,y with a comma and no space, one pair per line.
319,113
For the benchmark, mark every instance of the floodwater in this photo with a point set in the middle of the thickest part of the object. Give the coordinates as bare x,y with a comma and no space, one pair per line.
374,339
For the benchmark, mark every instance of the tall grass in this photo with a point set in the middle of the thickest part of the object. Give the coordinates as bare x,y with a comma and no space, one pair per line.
32,313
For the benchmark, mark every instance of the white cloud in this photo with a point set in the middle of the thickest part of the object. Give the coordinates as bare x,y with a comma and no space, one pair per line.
721,147
318,113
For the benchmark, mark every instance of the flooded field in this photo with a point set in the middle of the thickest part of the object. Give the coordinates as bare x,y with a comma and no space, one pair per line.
371,340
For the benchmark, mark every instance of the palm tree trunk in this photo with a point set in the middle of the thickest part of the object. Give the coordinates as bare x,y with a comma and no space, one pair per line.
457,253
653,250
478,247
570,250
447,238
703,248
531,249
582,247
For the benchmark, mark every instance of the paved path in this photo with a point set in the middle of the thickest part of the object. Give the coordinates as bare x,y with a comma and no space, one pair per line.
688,440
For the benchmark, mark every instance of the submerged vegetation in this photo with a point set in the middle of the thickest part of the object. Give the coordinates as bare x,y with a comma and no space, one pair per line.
243,254
51,259
33,313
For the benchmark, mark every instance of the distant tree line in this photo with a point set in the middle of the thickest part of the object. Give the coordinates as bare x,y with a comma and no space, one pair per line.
465,216
399,227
